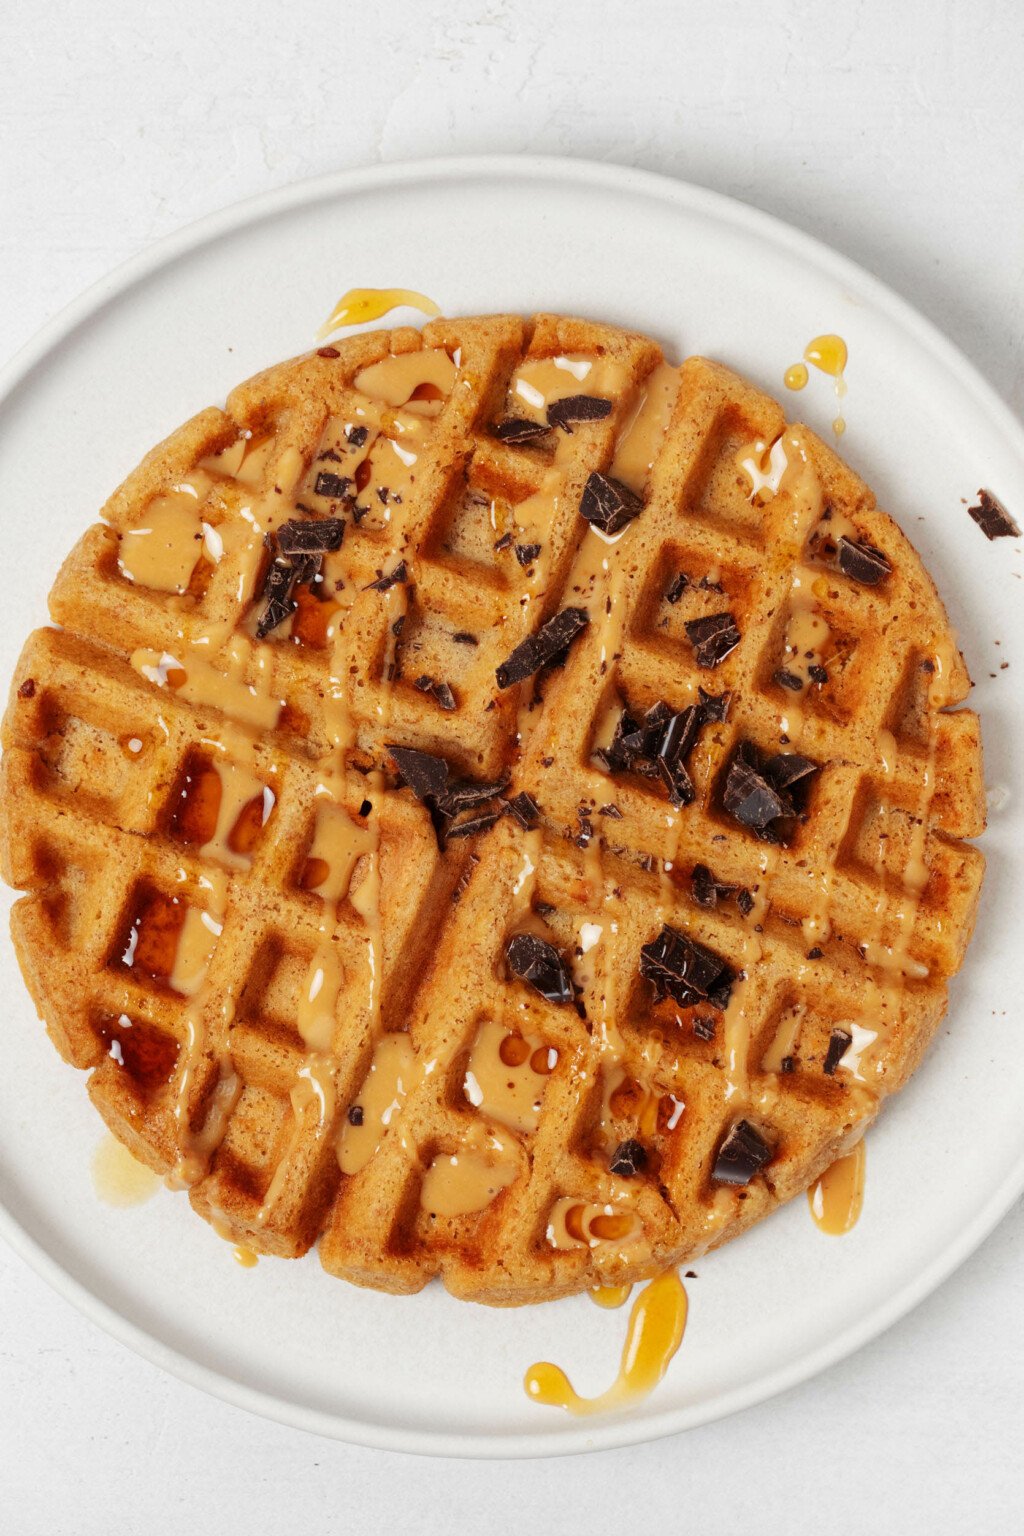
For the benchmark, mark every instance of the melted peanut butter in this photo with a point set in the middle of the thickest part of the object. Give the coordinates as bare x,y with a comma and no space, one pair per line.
359,306
642,435
394,1072
655,1332
118,1177
539,382
196,943
421,381
582,1224
506,1076
197,681
464,1182
164,551
338,845
244,807
784,1041
318,1000
837,1196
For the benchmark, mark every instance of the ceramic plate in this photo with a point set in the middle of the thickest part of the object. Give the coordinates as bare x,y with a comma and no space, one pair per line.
171,332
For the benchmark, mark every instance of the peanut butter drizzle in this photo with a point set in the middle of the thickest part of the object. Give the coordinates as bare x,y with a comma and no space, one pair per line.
837,1196
654,1334
464,1182
165,550
787,1033
338,845
359,306
421,381
643,433
245,807
196,942
198,682
394,1072
506,1075
576,1223
118,1177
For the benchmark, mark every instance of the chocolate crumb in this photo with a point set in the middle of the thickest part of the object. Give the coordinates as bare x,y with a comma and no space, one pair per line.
527,553
743,1153
628,1158
440,692
357,436
706,890
463,880
545,646
992,517
704,1026
862,562
788,680
27,689
328,484
607,504
815,953
327,352
838,1044
611,810
691,1274
577,408
539,964
503,542
355,1113
787,1064
745,902
713,638
518,430
463,637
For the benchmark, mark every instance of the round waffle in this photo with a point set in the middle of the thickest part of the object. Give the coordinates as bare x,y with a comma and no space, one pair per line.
492,804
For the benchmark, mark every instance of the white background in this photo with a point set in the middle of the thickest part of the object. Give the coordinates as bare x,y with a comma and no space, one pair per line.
893,131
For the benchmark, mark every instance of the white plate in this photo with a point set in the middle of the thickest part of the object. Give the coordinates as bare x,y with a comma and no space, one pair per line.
173,331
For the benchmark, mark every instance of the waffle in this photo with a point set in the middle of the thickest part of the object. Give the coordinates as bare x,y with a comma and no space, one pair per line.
535,873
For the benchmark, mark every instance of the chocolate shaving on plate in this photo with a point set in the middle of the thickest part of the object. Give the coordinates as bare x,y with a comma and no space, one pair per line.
539,964
992,517
577,408
607,504
862,562
518,430
743,1153
713,638
539,649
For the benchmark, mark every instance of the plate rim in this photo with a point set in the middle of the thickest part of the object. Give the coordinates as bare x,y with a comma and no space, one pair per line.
743,218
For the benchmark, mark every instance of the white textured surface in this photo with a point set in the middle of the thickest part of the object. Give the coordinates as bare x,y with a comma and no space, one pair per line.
893,132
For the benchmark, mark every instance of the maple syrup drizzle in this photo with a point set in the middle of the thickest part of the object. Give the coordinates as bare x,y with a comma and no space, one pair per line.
828,354
118,1177
360,306
655,1331
837,1196
796,376
609,1297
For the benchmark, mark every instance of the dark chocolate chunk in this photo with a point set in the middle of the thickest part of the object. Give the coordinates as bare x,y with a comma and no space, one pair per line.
427,776
862,562
817,673
628,1158
992,517
610,810
815,953
464,878
538,963
704,1026
607,504
745,901
503,542
357,435
327,352
471,827
355,1114
537,650
524,809
788,680
706,890
313,538
382,495
384,583
678,782
277,591
714,705
676,587
441,692
750,798
527,553
466,793
712,638
517,430
838,1044
561,413
788,768
743,1153
328,484
463,637
687,971
787,1064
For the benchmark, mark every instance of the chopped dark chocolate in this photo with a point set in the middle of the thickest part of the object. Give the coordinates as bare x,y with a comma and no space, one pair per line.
992,517
787,1064
750,798
465,793
788,680
539,964
277,590
745,901
355,1114
676,587
706,890
328,484
862,562
526,554
815,953
704,1026
539,649
518,430
839,1043
610,810
743,1153
561,413
677,781
385,583
817,673
357,435
471,827
463,637
628,1158
427,776
687,971
607,504
440,692
503,542
524,809
713,638
714,705
310,538
787,768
